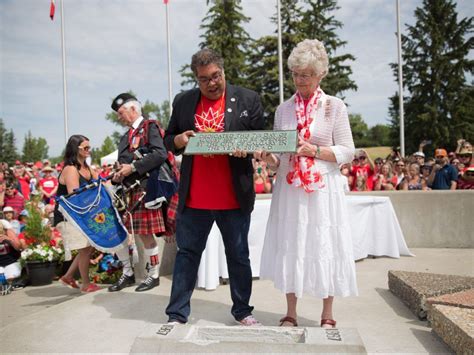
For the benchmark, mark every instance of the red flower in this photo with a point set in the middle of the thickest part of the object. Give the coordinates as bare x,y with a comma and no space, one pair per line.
317,177
289,177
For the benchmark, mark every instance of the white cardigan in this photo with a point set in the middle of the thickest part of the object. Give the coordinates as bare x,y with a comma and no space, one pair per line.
330,128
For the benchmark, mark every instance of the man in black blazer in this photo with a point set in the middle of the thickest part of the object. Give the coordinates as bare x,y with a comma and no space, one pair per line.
142,137
213,188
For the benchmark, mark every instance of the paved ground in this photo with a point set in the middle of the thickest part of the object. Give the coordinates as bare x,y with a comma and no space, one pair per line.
56,319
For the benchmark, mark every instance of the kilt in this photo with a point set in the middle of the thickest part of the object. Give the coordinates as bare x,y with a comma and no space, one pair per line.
145,221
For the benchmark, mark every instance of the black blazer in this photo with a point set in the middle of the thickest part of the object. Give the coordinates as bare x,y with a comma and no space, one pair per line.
243,112
152,160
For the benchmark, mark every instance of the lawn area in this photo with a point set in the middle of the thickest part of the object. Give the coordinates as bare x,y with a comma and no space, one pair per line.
375,152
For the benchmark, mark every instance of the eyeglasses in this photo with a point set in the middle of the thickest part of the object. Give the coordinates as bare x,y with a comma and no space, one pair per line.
362,158
214,78
86,148
464,155
302,77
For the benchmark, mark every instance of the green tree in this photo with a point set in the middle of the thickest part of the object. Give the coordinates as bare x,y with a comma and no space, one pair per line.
262,70
34,149
360,130
318,22
223,32
313,20
8,152
439,100
379,135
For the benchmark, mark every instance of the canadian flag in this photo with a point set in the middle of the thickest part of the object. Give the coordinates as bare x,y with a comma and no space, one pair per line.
51,10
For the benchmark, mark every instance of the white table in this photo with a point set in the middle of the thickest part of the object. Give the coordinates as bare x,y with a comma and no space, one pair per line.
375,231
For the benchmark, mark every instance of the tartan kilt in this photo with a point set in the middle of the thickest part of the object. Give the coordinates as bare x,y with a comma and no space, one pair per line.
145,221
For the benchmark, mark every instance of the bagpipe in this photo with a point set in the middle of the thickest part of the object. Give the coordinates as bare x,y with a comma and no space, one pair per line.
159,185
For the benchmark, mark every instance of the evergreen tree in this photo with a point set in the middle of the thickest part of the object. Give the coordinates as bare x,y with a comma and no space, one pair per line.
439,99
319,23
34,149
262,70
8,153
223,32
313,20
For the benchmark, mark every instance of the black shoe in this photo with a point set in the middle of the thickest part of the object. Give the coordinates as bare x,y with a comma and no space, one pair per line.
18,284
124,281
148,284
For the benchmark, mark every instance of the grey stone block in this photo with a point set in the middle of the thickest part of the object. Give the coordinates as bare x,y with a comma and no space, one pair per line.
455,325
413,288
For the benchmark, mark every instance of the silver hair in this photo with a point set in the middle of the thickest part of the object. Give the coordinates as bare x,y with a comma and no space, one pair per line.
310,53
136,104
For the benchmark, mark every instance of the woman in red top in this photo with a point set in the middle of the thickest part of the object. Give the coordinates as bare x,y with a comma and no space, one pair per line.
261,181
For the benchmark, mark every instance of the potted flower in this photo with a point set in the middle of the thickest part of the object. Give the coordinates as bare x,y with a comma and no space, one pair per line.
42,253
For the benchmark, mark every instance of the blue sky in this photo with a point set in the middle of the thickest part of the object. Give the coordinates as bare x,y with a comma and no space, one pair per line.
116,45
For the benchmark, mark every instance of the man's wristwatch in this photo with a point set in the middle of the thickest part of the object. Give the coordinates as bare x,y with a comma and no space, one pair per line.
134,169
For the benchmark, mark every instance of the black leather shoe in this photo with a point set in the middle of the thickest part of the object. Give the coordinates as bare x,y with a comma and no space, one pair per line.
124,281
148,284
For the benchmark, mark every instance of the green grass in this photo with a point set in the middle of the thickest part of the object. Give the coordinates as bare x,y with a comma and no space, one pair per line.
375,152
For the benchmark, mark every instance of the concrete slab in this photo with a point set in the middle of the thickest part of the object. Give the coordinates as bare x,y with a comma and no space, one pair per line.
53,319
164,338
414,288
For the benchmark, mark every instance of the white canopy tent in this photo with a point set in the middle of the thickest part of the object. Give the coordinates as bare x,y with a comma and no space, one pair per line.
110,158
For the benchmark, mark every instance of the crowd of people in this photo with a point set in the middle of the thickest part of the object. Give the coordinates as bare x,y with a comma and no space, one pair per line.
443,171
307,248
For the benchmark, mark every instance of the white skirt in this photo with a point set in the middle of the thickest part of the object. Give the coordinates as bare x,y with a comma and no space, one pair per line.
308,245
73,239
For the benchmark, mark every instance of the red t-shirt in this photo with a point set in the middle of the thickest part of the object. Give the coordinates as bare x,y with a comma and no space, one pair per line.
365,171
25,186
211,186
48,184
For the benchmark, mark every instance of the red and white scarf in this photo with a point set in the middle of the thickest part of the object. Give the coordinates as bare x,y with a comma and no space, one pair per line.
304,172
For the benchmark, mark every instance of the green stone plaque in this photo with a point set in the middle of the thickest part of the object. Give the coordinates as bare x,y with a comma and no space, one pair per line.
249,141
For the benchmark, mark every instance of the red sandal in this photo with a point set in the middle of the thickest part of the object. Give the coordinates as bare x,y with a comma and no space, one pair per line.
330,322
69,282
289,320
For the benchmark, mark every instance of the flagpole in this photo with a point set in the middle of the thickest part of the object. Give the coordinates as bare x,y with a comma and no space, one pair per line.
280,55
168,45
66,133
400,83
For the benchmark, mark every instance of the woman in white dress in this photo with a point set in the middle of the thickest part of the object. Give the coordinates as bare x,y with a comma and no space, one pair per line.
308,247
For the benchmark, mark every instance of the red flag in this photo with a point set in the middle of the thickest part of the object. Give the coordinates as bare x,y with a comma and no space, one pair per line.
51,10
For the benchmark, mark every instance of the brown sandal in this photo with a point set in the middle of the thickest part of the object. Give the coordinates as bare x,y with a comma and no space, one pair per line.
289,320
331,322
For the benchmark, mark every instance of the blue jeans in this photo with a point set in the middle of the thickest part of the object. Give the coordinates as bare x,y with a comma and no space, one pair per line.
192,229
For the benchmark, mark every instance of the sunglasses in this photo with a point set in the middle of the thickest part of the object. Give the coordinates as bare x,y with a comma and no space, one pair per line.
464,155
362,158
86,148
